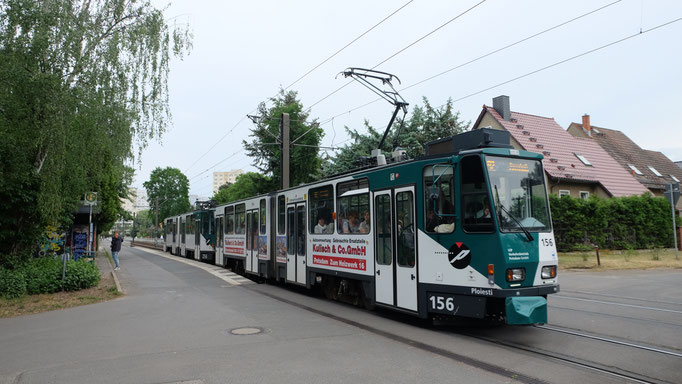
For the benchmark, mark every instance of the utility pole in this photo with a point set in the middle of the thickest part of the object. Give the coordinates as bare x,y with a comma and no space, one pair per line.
672,193
285,150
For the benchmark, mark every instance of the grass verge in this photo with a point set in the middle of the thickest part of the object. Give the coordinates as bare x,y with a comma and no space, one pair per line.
629,259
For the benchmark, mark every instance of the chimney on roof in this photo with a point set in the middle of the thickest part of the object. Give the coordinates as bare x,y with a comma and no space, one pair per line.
501,105
586,124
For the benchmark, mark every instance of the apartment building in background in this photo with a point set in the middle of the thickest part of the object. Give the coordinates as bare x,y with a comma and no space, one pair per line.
221,178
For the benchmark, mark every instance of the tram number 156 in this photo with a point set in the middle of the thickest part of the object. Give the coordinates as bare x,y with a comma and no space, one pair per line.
443,304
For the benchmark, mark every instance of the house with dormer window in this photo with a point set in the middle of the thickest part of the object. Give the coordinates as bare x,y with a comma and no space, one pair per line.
574,166
650,168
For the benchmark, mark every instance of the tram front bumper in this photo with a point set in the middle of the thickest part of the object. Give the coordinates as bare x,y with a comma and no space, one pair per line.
526,310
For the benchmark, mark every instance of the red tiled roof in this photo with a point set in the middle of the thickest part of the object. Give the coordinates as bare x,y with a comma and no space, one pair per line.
545,136
625,151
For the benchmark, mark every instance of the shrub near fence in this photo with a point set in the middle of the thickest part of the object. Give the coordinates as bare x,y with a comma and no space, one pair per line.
615,223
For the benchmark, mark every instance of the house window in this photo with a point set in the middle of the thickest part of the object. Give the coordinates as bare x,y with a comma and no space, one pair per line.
634,169
584,195
652,169
583,159
564,192
674,178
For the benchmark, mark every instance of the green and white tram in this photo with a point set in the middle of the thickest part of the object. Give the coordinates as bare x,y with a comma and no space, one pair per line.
465,231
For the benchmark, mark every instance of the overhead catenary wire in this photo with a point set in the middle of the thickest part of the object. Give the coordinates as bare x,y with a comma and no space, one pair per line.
301,77
568,59
347,45
216,143
395,54
479,58
216,164
537,70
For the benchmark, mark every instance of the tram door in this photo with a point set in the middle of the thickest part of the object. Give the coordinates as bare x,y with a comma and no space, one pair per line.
395,248
219,237
296,243
252,240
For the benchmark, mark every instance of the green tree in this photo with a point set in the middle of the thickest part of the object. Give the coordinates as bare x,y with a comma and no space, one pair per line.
81,85
247,185
167,191
305,162
423,125
144,224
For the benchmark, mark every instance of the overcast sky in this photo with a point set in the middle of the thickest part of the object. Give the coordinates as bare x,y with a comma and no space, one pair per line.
245,50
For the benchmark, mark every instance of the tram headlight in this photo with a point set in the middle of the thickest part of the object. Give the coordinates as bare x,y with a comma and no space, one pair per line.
516,274
549,272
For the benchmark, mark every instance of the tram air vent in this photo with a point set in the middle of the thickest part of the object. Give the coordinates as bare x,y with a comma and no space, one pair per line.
477,138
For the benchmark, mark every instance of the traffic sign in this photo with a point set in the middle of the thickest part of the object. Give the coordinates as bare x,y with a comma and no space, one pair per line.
672,193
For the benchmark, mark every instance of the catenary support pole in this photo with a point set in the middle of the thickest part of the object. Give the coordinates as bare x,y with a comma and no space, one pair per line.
285,150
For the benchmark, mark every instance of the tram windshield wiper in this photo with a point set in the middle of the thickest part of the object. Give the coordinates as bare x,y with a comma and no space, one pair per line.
501,208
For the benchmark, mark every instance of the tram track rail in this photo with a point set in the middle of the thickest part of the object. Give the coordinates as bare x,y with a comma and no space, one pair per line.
647,308
607,370
573,361
569,331
610,315
563,359
593,294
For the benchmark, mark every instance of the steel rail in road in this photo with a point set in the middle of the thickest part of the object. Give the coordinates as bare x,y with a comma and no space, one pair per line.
618,304
615,297
631,377
608,340
485,366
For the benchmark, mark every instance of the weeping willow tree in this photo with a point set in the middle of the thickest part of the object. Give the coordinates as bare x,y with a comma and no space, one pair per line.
83,88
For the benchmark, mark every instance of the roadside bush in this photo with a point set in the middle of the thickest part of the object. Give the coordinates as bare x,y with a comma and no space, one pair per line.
12,284
615,223
43,275
80,275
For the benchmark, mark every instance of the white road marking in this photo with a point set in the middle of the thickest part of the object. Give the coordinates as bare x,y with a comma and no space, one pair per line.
231,278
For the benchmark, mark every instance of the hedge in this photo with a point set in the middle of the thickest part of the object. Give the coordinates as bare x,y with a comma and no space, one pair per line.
44,275
617,223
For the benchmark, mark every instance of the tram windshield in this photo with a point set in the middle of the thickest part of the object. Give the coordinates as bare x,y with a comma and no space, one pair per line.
519,194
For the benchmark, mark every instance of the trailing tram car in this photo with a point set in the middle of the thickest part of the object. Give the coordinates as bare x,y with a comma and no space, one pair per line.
464,231
171,232
192,235
246,233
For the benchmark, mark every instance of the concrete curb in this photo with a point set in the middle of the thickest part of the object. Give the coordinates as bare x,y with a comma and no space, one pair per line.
113,273
118,284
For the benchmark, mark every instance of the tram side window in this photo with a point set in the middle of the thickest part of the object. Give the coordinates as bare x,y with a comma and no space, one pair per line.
321,208
221,235
206,223
239,219
475,197
291,235
352,207
439,199
382,207
405,215
229,220
190,224
281,215
262,217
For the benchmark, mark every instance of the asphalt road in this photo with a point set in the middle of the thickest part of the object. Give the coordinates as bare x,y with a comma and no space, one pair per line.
173,325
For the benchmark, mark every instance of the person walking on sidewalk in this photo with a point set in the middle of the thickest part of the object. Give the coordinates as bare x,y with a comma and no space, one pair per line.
115,248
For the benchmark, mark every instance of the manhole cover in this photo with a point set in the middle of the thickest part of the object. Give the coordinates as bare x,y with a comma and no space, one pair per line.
246,331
